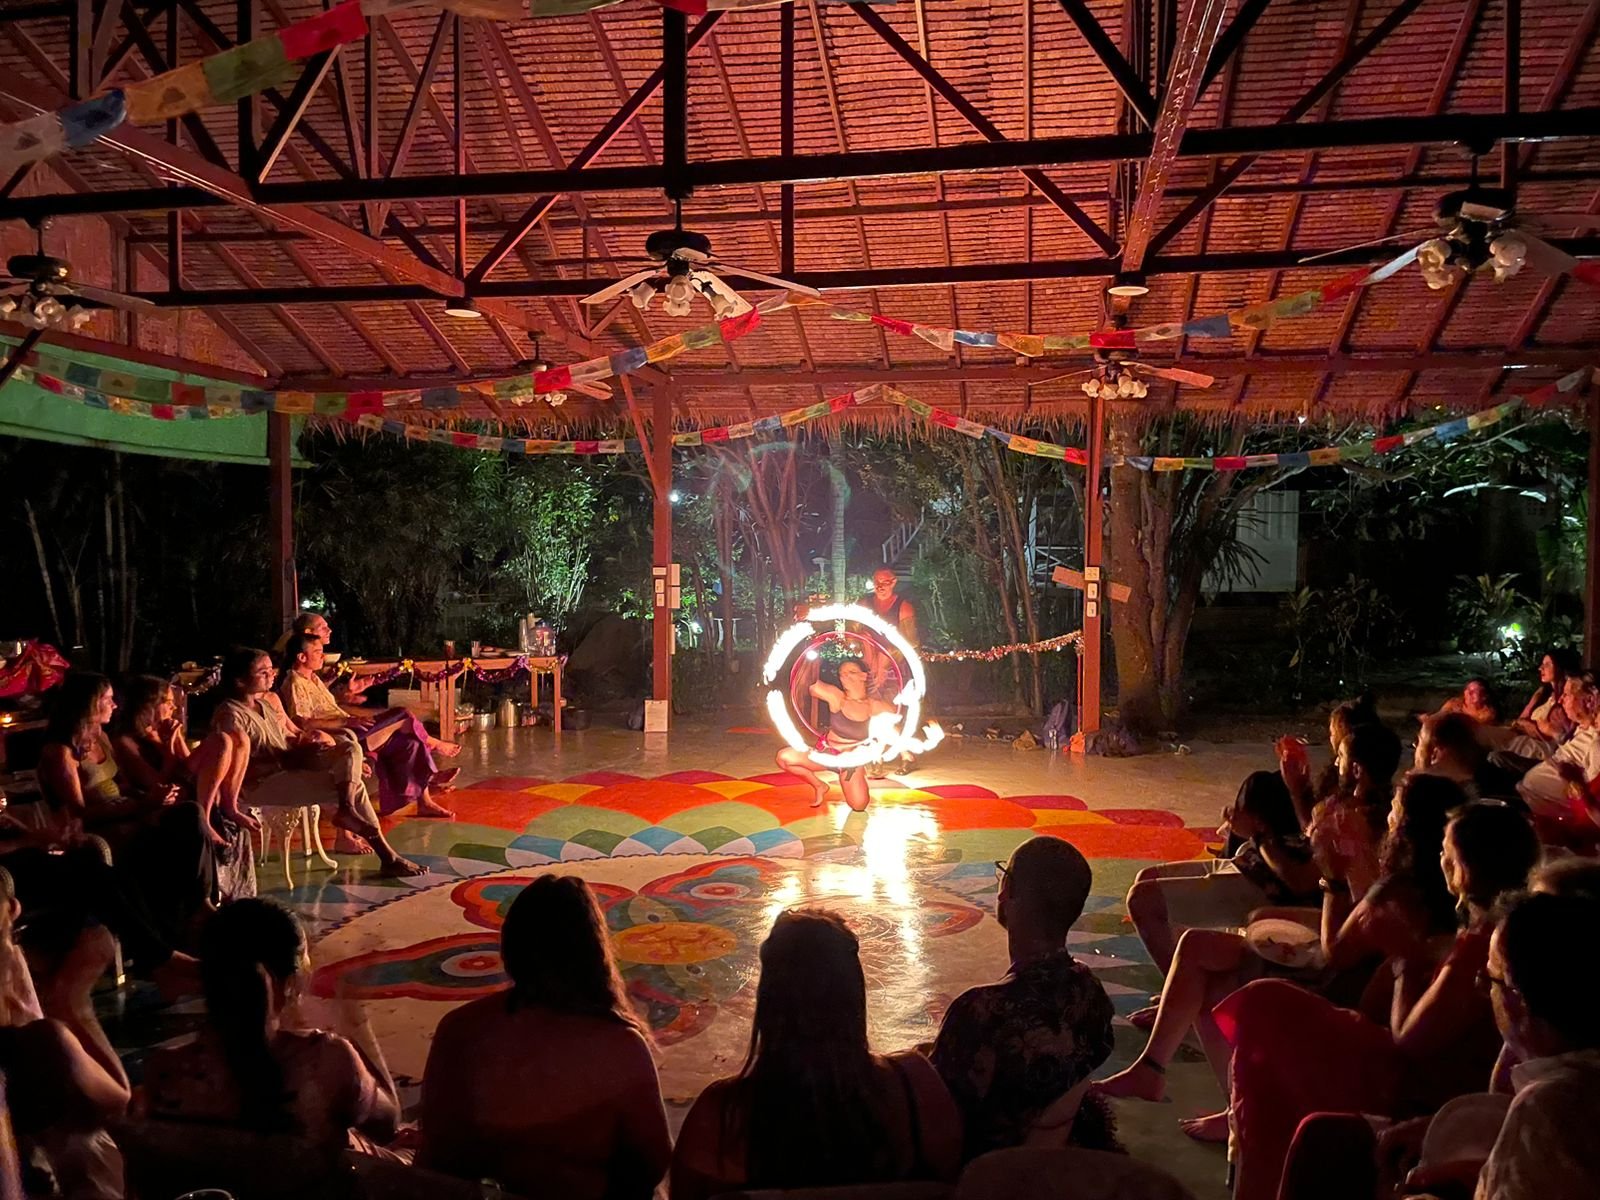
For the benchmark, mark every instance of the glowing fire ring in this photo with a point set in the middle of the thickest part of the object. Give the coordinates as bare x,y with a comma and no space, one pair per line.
889,735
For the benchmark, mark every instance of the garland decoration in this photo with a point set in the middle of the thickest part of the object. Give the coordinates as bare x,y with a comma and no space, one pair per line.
993,653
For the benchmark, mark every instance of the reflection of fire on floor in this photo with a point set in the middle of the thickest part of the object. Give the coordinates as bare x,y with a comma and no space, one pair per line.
692,867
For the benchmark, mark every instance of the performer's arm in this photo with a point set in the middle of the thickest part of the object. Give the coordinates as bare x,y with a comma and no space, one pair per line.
908,623
827,693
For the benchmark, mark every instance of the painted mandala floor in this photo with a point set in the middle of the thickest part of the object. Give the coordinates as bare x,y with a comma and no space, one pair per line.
691,867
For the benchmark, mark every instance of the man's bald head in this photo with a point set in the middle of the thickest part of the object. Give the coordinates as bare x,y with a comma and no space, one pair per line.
1046,884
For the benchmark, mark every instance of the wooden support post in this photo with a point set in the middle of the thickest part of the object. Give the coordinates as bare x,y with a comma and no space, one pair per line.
280,518
1591,577
1094,610
661,476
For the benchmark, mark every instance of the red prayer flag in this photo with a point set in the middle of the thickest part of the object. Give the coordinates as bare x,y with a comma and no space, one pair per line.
1229,462
1345,284
1076,456
335,27
840,403
695,8
467,441
359,403
895,325
737,327
1588,270
939,417
1113,339
163,412
1385,444
48,382
552,380
586,447
188,395
720,434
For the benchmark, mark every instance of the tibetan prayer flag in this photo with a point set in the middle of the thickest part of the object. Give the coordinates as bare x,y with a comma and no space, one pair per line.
1450,430
590,447
734,328
1023,445
1064,341
163,412
514,446
702,336
84,122
711,436
168,95
1326,457
693,8
329,404
1140,462
971,428
81,373
552,380
686,439
363,403
439,397
440,436
968,337
293,402
390,425
1230,462
224,396
840,403
613,446
1112,339
369,421
1588,271
1254,316
188,395
945,339
1029,345
49,383
1294,460
145,387
1077,457
848,314
940,417
918,407
743,429
895,325
1051,450
1198,464
1393,267
29,141
1261,460
795,416
769,424
254,400
1297,305
589,369
1385,444
248,69
1166,464
668,347
1209,327
1159,333
490,445
1478,420
1345,284
1571,382
1355,451
344,23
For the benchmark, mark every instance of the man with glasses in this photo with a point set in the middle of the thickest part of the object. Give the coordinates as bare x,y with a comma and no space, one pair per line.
1012,1051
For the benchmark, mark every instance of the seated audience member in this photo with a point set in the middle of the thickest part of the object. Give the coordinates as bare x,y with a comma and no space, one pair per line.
1543,972
1349,822
1567,876
249,1070
1295,1054
348,691
813,1106
1476,701
1410,893
548,1087
1545,788
400,748
1543,724
160,842
1271,865
153,754
287,761
1448,745
65,1080
1009,1050
1343,721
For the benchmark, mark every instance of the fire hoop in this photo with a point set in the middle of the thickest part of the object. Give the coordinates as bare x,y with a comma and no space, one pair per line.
889,735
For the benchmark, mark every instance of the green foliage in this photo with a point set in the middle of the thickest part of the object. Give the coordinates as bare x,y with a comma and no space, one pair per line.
1495,619
1336,633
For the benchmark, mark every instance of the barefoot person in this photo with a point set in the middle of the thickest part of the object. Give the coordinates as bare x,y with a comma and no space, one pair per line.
288,759
402,753
852,709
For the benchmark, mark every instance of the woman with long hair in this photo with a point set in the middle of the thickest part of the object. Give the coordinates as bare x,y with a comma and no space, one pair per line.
161,842
851,710
248,1068
813,1106
1543,723
548,1087
1424,1031
153,755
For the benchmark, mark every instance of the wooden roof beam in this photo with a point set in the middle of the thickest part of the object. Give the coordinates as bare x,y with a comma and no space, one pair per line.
1232,40
1133,88
970,113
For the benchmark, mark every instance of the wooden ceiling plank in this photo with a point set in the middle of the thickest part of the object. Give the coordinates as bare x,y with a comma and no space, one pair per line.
1133,88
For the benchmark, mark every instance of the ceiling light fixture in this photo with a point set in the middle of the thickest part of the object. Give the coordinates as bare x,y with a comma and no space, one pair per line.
465,307
1129,284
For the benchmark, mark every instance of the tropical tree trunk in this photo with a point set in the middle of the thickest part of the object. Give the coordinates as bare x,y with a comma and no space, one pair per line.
984,545
1015,542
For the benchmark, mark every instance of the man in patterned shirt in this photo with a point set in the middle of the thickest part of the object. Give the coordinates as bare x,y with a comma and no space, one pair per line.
1009,1050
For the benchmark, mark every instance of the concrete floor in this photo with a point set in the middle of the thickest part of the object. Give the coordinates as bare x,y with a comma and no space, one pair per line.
694,866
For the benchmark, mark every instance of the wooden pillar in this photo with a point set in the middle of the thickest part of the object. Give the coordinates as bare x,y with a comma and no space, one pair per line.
280,519
1094,593
1591,574
661,476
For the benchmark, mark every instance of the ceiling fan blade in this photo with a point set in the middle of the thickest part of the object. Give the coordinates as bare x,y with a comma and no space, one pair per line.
1176,375
1383,241
103,296
1544,257
595,391
771,280
628,283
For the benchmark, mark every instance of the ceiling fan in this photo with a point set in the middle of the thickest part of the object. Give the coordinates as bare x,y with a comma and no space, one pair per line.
1479,229
687,268
38,291
591,388
1117,374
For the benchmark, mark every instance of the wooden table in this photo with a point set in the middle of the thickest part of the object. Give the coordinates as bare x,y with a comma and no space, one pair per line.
445,689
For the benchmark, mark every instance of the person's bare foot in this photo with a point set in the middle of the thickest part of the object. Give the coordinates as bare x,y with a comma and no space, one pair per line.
444,780
427,807
239,817
1144,1018
349,821
443,749
349,843
821,790
1211,1128
1142,1081
401,868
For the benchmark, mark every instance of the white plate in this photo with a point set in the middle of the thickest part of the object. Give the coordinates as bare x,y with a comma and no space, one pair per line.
1285,943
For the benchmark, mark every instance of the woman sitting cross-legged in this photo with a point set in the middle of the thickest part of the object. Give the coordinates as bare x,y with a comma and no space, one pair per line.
1410,894
549,1087
1543,723
288,763
247,1068
153,754
813,1106
1425,1032
159,841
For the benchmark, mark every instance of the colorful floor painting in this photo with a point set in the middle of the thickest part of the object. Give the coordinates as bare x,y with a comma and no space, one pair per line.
691,867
